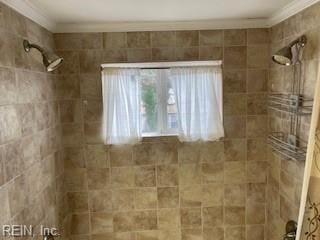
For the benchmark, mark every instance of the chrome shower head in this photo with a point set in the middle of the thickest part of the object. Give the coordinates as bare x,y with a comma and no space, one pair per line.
284,56
50,60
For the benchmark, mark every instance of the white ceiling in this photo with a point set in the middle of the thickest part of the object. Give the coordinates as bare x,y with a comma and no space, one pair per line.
131,15
95,11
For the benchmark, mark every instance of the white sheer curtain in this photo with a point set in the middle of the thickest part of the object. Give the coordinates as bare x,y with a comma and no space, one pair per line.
199,101
121,106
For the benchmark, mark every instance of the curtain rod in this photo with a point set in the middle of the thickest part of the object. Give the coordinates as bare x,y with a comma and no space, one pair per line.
162,65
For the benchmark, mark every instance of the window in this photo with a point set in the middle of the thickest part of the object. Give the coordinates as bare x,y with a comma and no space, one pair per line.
185,101
158,104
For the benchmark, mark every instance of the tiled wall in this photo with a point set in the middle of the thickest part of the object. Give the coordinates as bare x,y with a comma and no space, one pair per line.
160,189
31,183
285,177
163,189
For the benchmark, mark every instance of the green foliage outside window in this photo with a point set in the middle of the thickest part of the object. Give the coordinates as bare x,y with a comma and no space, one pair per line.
149,98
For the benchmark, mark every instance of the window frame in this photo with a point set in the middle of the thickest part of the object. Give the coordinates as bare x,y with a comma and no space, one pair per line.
163,97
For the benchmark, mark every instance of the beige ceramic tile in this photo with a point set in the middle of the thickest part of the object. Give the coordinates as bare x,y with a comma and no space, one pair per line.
211,37
189,174
211,152
144,154
255,232
235,150
93,133
287,185
73,157
100,200
257,126
258,36
92,111
96,156
123,199
121,155
191,234
78,201
114,40
145,176
139,55
235,104
101,222
258,56
234,80
235,172
124,236
235,126
71,61
169,218
73,41
123,222
187,53
145,198
255,213
234,215
210,53
147,235
257,149
167,175
8,83
235,233
10,125
77,179
257,172
166,153
163,39
235,57
235,194
257,104
189,153
138,39
190,217
187,38
235,37
212,216
122,177
168,197
80,223
163,54
99,236
174,234
114,56
216,233
99,178
145,220
190,196
256,192
212,194
257,80
212,173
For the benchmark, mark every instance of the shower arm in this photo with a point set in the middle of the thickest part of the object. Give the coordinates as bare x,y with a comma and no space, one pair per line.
27,47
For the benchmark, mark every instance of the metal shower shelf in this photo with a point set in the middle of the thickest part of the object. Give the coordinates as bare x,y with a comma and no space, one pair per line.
282,144
290,103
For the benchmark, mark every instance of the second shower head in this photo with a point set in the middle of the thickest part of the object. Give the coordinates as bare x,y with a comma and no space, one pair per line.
284,56
50,60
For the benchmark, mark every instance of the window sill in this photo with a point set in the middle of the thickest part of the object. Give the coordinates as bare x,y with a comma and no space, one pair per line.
160,138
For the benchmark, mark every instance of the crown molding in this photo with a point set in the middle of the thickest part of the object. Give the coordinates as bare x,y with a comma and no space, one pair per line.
26,8
162,26
289,10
